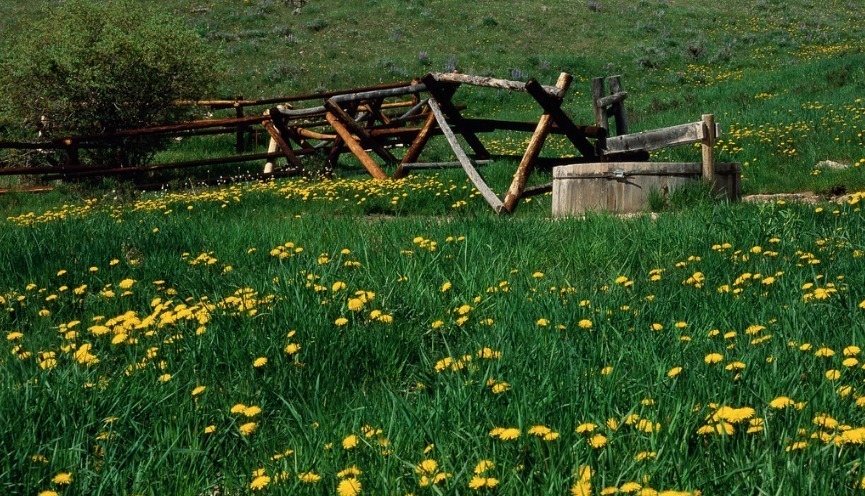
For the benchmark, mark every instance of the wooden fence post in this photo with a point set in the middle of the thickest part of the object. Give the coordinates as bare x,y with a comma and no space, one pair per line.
709,148
618,108
241,130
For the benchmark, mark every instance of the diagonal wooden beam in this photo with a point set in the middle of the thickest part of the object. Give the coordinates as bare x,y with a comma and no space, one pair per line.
355,147
349,123
521,177
443,95
553,107
283,145
475,178
417,146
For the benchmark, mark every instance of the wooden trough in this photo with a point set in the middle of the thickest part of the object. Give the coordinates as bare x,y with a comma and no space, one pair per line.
625,187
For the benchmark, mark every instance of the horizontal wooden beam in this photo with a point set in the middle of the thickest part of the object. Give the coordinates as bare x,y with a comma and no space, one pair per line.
440,165
611,99
659,138
489,82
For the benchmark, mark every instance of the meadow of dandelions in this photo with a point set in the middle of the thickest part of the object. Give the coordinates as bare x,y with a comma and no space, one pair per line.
267,339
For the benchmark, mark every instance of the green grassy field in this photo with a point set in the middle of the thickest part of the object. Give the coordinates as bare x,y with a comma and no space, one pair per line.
351,336
272,338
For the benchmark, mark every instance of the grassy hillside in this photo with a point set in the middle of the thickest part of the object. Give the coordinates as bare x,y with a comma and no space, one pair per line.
784,78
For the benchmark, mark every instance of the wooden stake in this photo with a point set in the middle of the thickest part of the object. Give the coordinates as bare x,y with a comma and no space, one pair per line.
475,178
521,177
355,148
417,146
709,148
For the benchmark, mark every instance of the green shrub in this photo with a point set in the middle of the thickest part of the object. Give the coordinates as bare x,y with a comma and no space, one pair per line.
96,67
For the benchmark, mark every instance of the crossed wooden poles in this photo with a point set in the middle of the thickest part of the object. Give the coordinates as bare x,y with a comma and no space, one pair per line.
359,125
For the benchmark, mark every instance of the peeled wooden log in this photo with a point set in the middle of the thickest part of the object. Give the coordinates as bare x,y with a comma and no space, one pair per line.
489,82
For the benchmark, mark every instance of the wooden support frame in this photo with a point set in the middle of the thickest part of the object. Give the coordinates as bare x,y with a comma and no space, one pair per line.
469,168
348,123
417,146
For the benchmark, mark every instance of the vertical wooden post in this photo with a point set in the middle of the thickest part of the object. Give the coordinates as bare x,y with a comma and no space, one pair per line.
618,108
709,148
518,185
273,128
597,94
241,129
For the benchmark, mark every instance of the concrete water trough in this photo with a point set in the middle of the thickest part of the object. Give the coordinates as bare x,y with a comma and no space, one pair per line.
625,187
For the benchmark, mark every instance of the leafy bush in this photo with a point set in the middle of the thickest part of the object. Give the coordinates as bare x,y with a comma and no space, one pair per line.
101,66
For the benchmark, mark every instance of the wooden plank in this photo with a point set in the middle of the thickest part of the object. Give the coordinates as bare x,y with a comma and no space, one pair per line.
417,146
533,150
467,165
283,145
355,147
362,133
659,138
443,97
618,109
552,107
490,82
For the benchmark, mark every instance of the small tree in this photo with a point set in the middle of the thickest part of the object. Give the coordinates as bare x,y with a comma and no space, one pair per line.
98,66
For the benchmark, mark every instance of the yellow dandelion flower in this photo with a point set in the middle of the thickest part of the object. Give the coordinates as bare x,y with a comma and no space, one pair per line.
350,442
352,471
62,478
48,492
850,362
309,477
251,411
606,370
210,429
542,322
428,466
259,482
126,283
446,286
798,445
165,378
509,434
259,362
851,351
630,487
833,375
713,358
781,402
673,372
598,441
198,390
483,466
248,428
585,324
292,348
348,487
586,427
341,321
338,286
238,408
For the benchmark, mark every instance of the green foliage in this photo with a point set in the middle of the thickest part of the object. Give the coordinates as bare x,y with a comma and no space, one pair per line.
97,67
